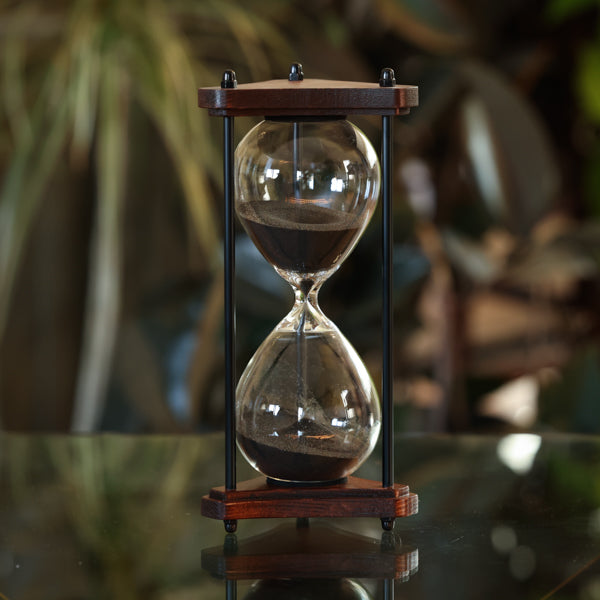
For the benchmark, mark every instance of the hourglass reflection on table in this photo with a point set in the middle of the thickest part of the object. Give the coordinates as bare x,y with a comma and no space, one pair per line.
305,183
320,561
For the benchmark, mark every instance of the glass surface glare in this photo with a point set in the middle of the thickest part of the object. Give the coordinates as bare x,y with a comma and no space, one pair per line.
306,408
83,506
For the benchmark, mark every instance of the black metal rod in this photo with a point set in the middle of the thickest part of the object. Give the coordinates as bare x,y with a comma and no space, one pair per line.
388,589
229,259
387,399
231,589
296,159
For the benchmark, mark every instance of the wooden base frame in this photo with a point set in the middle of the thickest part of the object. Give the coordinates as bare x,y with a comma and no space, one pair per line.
356,497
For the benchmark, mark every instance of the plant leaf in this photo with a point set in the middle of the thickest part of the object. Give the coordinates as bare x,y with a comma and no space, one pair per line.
588,81
102,306
33,161
561,10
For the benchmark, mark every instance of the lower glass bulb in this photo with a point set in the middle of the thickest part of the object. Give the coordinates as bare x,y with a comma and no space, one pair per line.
306,408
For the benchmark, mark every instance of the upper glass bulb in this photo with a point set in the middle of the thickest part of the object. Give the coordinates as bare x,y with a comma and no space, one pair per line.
305,191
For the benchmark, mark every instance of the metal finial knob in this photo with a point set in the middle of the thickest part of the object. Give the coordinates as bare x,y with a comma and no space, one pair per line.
229,81
296,73
387,78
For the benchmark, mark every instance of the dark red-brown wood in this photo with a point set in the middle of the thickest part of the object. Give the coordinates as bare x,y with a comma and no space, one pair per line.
255,499
317,551
309,97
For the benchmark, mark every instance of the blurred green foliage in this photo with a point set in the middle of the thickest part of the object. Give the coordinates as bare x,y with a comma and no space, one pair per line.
497,196
75,76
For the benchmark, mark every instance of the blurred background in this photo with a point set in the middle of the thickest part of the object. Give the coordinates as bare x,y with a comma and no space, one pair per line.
111,213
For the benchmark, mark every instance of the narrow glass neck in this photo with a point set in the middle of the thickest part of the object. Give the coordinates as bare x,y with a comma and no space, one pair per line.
307,292
306,315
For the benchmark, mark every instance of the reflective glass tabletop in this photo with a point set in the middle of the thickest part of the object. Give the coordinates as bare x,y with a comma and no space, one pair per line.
114,516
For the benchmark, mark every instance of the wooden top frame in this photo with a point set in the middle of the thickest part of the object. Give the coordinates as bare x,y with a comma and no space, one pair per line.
308,97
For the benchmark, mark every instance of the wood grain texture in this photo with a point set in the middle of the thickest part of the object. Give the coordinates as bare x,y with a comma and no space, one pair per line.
310,97
317,551
255,499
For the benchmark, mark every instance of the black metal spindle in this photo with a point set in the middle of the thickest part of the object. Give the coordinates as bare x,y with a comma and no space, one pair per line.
231,589
387,383
229,81
388,589
229,250
387,80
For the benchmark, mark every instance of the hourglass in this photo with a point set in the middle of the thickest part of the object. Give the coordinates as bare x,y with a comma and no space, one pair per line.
305,414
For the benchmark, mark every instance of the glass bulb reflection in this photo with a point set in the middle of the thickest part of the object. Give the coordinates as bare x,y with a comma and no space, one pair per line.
304,589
